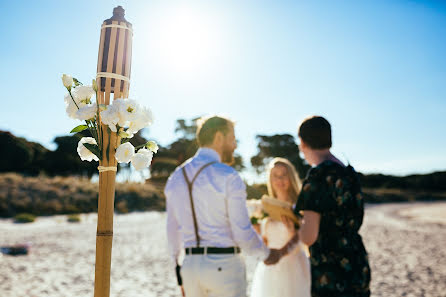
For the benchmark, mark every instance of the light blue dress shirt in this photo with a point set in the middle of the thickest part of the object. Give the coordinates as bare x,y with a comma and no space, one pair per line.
220,206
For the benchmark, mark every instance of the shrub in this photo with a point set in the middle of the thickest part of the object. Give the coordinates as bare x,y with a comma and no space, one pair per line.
74,218
121,207
24,218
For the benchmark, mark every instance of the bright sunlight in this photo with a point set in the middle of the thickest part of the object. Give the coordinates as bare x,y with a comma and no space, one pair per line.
185,43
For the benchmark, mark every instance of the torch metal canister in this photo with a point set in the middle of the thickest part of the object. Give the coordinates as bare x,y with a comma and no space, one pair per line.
115,55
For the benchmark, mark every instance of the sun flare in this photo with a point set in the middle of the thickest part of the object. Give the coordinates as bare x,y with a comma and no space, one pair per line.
186,42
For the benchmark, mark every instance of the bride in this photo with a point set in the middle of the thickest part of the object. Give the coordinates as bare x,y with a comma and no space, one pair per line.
291,276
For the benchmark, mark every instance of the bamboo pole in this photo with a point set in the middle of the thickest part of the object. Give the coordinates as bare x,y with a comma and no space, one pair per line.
113,59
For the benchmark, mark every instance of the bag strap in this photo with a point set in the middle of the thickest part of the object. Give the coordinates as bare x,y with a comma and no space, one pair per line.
189,186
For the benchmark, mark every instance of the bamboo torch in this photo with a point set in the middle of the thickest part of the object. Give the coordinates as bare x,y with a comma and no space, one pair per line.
113,76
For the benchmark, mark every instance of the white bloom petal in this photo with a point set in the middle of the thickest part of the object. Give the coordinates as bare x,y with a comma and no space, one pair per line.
143,119
71,108
142,159
125,152
87,112
83,93
113,128
67,80
83,152
110,117
146,152
128,110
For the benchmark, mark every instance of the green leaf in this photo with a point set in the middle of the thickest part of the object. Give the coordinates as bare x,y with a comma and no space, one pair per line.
76,82
79,128
94,149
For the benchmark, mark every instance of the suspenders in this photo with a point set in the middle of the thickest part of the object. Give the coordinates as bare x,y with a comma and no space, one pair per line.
189,186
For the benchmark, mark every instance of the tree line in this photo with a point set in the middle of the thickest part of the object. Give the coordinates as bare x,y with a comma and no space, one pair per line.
31,158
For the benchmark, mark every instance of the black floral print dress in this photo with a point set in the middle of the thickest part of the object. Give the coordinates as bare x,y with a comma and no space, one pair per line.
339,263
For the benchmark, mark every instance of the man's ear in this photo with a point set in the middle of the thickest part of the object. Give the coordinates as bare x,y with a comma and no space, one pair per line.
218,138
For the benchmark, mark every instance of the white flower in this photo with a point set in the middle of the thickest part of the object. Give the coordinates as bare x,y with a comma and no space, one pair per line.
152,146
87,112
67,81
142,159
125,152
143,119
71,108
128,110
83,94
110,117
83,152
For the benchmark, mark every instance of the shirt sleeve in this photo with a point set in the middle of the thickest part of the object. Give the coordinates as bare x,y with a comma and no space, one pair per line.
312,197
174,241
243,232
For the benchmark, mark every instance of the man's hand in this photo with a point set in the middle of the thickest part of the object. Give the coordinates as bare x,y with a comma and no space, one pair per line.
273,257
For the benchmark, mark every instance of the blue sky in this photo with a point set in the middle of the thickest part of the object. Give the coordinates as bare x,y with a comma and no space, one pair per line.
375,69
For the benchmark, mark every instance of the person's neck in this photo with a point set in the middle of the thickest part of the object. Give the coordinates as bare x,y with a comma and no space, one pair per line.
215,148
284,196
320,156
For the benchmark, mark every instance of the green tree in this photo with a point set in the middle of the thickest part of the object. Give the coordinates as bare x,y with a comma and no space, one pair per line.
19,155
65,160
278,145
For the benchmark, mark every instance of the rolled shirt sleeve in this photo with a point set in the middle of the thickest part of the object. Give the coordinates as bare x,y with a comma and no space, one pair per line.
242,231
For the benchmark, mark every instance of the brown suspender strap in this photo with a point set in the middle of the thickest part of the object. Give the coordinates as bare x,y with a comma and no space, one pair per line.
189,186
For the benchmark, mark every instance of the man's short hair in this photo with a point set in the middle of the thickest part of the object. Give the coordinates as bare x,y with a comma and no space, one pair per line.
315,131
207,127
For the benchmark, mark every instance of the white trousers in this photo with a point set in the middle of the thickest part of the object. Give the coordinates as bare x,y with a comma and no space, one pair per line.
214,275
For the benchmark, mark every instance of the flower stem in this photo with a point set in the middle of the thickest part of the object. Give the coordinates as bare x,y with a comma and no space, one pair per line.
69,91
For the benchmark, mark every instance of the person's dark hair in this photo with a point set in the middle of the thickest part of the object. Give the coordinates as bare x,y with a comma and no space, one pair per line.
315,131
208,126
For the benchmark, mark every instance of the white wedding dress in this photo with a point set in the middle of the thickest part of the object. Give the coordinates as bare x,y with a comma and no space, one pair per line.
291,276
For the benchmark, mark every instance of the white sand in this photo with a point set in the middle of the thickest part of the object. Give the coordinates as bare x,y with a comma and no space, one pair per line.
406,244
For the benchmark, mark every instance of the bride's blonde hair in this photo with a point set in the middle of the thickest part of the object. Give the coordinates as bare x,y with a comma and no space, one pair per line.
295,182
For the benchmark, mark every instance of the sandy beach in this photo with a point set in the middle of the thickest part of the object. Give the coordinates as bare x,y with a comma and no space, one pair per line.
406,244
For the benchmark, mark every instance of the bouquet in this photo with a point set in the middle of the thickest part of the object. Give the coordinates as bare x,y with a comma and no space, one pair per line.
124,117
255,211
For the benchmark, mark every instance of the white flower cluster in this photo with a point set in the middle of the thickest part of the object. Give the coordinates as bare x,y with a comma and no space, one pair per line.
78,104
124,116
140,160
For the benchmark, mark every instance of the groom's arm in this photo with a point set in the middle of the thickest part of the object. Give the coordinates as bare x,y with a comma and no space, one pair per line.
242,230
173,234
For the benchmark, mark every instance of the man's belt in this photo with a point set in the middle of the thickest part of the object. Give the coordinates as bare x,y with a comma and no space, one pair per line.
212,250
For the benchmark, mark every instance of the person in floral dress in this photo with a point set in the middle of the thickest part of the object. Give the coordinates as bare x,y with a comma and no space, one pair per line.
333,210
